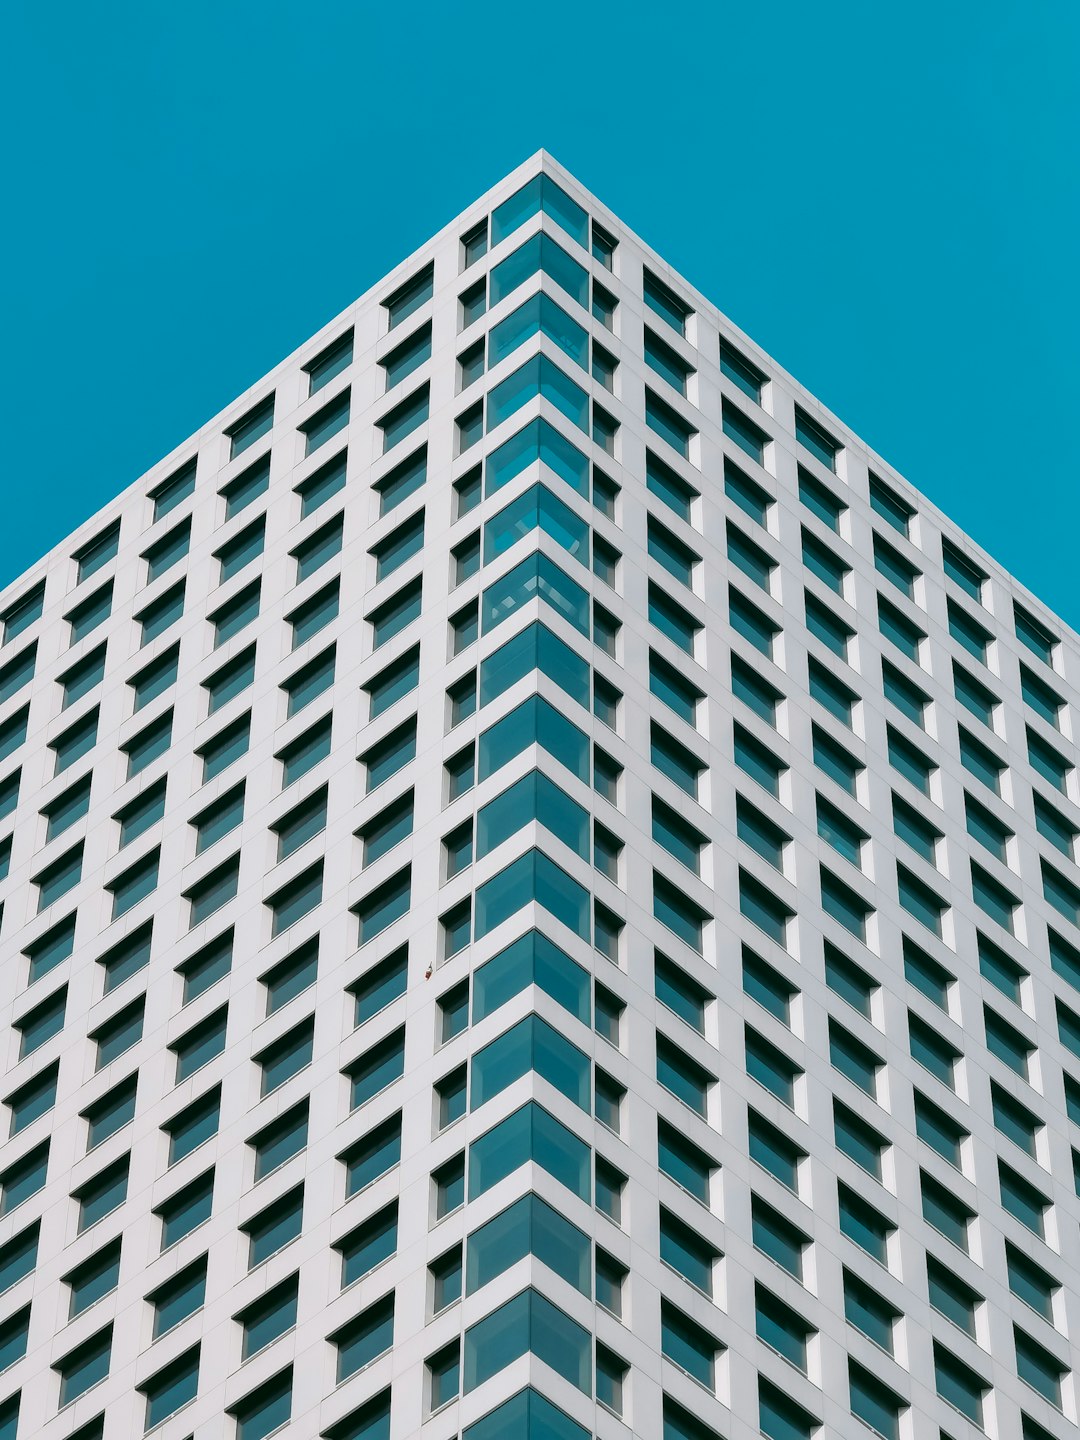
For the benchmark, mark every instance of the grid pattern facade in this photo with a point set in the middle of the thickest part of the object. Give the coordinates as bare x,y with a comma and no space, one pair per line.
539,900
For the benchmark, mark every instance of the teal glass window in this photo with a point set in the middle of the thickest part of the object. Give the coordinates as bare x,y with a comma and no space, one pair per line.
763,909
404,358
830,692
962,571
21,615
663,301
406,417
890,506
533,797
669,424
531,1044
688,1345
280,1141
750,438
246,488
1034,635
992,898
1030,1283
1053,826
827,627
1022,1200
178,1298
539,315
538,441
536,508
18,672
683,1162
275,1227
186,1209
675,760
380,986
393,683
941,1209
676,557
534,722
103,1193
666,362
775,1236
390,755
23,1178
820,500
765,984
369,1245
59,877
286,1057
751,498
391,617
853,1059
677,836
531,960
529,1227
968,632
672,620
374,1154
85,1366
384,905
83,677
683,1077
669,486
207,966
318,549
168,551
540,253
959,1385
840,831
534,648
536,577
75,742
90,613
410,296
932,1051
329,363
193,1125
741,371
212,891
671,686
757,761
50,949
1042,699
405,479
241,550
816,439
538,376
897,628
92,1280
1047,762
1061,893
540,194
780,1327
174,491
895,567
857,1140
860,1222
936,1128
974,696
681,915
36,1027
771,1067
399,546
237,613
201,1044
530,1134
527,1324
532,877
687,1252
822,562
834,761
844,904
907,697
377,1068
149,744
32,1100
909,761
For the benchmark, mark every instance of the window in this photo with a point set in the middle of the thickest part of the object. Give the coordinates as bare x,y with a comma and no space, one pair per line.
90,613
310,617
890,506
310,681
264,1411
834,761
1034,635
1044,701
1014,1120
323,484
904,694
1047,762
932,1051
186,1209
756,564
292,976
864,1225
858,1140
951,1296
207,966
275,1227
33,1099
776,1237
296,899
200,1045
148,745
118,1034
21,615
239,612
178,1298
1022,1200
92,1280
269,1317
771,1067
663,301
85,1366
50,949
393,615
171,1388
301,824
194,1125
821,561
751,623
83,677
215,889
992,898
959,1385
816,439
670,487
985,827
59,877
103,1193
919,900
666,362
16,673
241,550
939,1130
909,761
305,752
408,298
330,362
231,680
853,1059
246,488
688,1345
75,742
1053,826
36,1027
750,438
318,549
896,568
962,571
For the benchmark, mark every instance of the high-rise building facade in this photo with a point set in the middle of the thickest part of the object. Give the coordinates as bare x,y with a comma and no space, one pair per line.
539,900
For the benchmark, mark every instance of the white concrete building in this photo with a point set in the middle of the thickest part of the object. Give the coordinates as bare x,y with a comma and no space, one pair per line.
539,900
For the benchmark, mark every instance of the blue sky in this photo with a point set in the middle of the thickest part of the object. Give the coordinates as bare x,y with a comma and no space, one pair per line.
884,196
